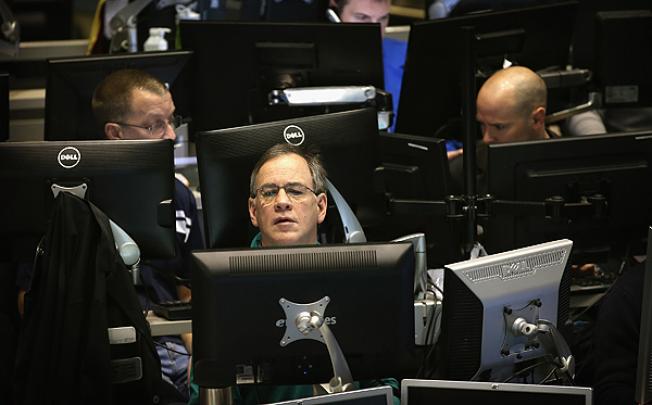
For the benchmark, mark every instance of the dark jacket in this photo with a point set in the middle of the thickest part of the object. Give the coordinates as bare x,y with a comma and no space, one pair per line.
80,288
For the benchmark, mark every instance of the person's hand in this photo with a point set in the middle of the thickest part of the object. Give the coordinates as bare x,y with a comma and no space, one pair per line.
452,154
586,269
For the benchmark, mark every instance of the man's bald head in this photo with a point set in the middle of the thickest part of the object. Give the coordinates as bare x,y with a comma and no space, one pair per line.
511,106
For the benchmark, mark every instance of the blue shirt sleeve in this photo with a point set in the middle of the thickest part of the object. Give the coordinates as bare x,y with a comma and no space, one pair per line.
394,52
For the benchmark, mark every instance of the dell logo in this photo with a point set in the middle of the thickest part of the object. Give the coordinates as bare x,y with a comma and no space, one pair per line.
69,157
293,135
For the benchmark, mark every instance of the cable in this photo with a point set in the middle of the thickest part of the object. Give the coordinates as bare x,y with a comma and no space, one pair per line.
552,371
171,350
531,367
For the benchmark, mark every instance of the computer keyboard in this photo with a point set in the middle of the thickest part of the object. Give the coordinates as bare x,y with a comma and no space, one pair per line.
173,310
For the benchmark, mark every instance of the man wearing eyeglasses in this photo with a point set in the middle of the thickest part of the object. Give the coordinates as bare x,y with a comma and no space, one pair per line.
287,197
132,104
287,201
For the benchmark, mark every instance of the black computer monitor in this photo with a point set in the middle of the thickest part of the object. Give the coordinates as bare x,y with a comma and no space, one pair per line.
236,65
129,180
72,81
622,74
225,158
432,82
415,168
603,181
499,314
261,10
243,320
584,50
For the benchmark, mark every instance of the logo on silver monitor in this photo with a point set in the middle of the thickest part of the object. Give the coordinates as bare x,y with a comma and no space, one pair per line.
293,135
69,157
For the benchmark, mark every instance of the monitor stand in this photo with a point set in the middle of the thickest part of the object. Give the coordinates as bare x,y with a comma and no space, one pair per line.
303,321
307,321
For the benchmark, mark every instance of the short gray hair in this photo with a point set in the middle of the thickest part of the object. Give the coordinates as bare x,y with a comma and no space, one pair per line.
317,171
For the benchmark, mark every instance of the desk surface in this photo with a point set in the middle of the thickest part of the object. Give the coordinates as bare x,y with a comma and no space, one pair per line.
163,327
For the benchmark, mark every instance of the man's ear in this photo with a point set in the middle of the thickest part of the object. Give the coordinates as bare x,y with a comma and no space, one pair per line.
322,204
332,4
112,131
252,212
539,117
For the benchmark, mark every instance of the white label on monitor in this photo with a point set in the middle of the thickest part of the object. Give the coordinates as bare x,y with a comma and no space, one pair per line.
621,94
244,374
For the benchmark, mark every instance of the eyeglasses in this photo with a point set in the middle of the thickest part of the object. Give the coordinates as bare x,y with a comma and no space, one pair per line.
295,191
159,127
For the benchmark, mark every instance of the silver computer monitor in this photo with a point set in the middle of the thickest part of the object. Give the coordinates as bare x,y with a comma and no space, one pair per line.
426,392
368,396
500,314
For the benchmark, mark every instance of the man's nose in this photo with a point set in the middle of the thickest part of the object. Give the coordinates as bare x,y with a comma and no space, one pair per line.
486,137
169,132
282,201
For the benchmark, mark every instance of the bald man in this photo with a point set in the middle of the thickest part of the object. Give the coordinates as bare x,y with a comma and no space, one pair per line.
511,106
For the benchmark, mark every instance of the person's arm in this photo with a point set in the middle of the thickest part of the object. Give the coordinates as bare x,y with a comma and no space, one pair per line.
185,294
21,302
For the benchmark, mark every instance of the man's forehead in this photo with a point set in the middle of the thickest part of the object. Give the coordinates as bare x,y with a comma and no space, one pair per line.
369,6
288,167
147,102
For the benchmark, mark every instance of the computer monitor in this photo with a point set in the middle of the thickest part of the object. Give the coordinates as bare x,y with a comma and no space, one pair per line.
225,158
593,190
643,392
72,81
432,82
585,30
261,10
424,392
236,65
415,168
369,396
244,319
498,312
132,182
622,74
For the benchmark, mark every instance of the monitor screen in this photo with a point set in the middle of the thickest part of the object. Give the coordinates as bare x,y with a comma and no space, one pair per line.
432,82
130,181
346,142
369,396
425,392
273,56
72,81
495,313
245,305
602,181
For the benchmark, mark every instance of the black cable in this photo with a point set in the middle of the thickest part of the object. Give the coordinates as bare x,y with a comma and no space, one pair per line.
530,368
545,379
171,350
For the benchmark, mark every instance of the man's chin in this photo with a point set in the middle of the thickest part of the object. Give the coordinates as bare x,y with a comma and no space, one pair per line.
286,238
